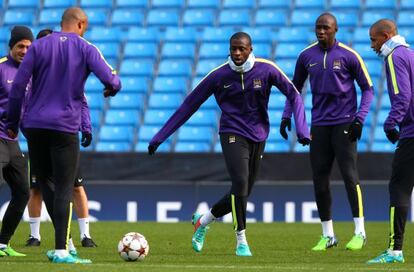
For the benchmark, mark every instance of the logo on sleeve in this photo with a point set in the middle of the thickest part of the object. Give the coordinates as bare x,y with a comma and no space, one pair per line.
337,65
257,84
226,86
10,81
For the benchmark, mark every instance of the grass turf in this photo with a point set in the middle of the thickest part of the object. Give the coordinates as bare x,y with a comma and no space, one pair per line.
275,247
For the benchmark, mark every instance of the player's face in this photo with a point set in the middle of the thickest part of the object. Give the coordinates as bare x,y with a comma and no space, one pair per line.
325,30
19,50
240,50
377,39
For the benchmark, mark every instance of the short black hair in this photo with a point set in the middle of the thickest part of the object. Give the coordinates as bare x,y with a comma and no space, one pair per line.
241,35
329,15
43,33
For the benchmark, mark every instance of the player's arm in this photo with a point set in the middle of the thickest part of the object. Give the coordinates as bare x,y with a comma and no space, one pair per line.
18,91
103,70
399,90
190,105
283,83
86,127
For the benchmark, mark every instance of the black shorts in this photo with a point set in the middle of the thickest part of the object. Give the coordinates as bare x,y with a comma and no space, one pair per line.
35,185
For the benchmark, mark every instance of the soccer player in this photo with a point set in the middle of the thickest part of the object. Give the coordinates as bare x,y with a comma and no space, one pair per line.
332,68
241,87
58,65
398,127
80,199
13,163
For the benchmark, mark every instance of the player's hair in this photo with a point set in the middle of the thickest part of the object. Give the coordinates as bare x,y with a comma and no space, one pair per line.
43,33
241,35
329,15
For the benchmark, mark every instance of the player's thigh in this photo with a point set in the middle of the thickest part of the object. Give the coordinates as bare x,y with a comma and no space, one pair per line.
16,172
321,151
38,142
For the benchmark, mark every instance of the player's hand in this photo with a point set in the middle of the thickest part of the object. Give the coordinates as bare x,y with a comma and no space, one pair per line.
11,133
86,139
304,141
152,148
355,131
109,92
286,123
393,135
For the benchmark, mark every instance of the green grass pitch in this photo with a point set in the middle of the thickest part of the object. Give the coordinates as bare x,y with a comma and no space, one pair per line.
275,247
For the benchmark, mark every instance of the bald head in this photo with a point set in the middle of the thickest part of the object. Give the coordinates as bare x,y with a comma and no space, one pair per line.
75,20
385,26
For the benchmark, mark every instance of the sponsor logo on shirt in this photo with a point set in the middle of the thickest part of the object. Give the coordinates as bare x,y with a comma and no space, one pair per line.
337,65
226,86
257,83
232,139
312,64
63,38
10,81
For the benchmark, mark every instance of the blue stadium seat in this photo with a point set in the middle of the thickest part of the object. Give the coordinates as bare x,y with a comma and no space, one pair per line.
50,17
192,147
406,4
289,50
300,148
146,132
143,147
131,84
209,104
158,17
213,4
275,116
199,17
96,4
346,19
362,146
122,117
308,101
382,113
380,4
365,51
104,34
170,84
294,34
304,17
217,147
113,147
96,117
116,133
141,50
274,134
180,34
143,34
132,4
287,66
156,117
19,4
177,50
195,133
205,66
371,16
405,18
385,104
346,4
59,3
197,79
127,100
239,4
96,17
217,34
271,17
310,4
408,33
374,67
175,68
126,17
203,118
165,100
382,146
95,100
137,67
5,34
108,49
285,4
277,101
168,4
361,35
366,134
262,50
234,17
260,34
16,17
379,134
23,146
214,50
277,146
93,84
344,36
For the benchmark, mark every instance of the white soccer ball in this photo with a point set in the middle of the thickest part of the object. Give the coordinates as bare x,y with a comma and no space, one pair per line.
133,247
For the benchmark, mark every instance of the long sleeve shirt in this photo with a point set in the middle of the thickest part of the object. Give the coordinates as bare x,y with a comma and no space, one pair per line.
58,65
243,99
332,73
399,68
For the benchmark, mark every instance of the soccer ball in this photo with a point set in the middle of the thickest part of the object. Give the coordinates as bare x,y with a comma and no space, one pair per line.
133,247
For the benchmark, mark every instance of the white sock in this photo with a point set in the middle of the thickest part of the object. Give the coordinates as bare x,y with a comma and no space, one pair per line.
71,246
396,252
61,253
3,246
327,228
84,227
35,227
359,225
241,237
207,218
